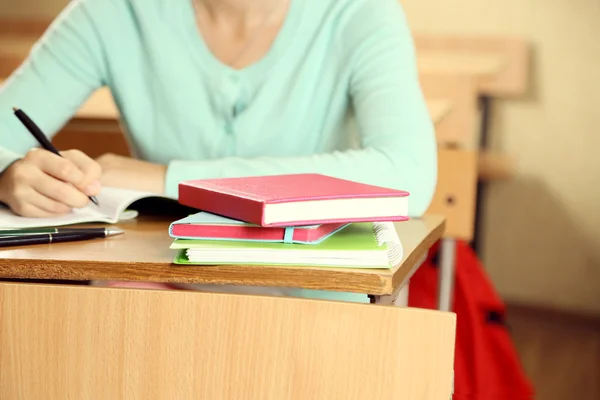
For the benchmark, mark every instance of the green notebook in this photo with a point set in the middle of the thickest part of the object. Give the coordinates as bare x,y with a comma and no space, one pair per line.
360,245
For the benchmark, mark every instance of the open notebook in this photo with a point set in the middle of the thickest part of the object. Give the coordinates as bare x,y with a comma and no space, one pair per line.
113,208
360,245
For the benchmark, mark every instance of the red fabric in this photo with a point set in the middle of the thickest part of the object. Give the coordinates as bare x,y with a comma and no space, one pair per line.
486,364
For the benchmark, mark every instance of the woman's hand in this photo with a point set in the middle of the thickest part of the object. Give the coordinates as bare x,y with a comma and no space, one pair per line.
43,184
128,173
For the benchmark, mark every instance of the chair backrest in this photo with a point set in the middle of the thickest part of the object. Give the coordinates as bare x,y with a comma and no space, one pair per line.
62,342
456,192
503,63
459,128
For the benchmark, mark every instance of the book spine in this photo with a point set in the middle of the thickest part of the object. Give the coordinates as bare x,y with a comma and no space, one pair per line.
224,204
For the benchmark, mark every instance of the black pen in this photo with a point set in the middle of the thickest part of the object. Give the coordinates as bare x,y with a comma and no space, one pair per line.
39,231
40,137
24,240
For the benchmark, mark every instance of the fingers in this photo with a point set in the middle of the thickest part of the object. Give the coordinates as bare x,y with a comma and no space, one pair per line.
43,184
30,211
92,171
58,190
43,206
37,205
59,167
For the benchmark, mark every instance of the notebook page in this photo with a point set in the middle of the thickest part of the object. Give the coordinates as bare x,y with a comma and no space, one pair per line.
113,203
9,220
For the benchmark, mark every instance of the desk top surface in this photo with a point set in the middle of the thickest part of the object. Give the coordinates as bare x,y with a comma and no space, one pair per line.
143,254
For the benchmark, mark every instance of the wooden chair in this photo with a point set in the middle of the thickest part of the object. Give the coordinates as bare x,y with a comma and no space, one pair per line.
72,342
459,128
499,64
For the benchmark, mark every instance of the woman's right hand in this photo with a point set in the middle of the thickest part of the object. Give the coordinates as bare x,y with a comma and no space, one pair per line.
43,184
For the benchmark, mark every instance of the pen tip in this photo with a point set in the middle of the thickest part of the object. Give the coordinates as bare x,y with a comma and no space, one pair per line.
94,200
114,232
15,109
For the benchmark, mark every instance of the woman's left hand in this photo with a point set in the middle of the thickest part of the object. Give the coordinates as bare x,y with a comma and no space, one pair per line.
128,173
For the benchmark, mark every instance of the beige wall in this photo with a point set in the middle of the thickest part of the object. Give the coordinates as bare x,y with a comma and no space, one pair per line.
542,235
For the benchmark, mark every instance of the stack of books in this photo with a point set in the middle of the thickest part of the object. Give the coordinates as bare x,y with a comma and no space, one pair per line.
299,220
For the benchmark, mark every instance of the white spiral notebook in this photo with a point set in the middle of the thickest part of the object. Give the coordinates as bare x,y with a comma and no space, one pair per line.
360,245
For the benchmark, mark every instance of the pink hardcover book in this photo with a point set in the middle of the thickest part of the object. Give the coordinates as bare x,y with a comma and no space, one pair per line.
296,199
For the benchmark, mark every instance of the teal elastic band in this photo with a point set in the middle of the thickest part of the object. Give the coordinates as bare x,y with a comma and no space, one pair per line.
288,236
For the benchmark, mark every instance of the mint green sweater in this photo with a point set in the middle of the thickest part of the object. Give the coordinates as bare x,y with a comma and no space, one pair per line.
337,93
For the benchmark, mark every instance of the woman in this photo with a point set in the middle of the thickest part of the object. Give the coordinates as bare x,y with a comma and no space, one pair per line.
222,88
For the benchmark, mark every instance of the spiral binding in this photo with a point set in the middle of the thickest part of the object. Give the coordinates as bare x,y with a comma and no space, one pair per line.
385,233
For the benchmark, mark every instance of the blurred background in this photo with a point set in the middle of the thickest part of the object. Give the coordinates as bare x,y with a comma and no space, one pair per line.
514,89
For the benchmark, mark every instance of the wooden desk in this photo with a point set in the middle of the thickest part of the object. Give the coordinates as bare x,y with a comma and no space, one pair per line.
143,254
71,342
16,45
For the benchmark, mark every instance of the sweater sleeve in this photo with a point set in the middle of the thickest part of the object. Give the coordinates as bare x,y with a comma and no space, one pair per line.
398,148
62,70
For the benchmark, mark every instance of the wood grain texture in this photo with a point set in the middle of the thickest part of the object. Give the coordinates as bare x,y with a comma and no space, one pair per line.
143,254
61,342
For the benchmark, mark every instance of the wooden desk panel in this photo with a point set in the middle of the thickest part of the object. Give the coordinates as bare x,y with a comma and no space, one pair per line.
143,254
62,342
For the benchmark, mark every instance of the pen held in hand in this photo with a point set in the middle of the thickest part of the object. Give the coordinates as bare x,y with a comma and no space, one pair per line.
41,138
48,238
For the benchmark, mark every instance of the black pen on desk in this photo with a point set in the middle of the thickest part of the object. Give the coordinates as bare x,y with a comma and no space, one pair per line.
48,238
39,231
40,137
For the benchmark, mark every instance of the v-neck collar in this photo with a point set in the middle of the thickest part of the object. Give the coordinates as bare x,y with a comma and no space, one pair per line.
253,71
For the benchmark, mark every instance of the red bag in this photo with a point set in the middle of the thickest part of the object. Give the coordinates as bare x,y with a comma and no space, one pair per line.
486,364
